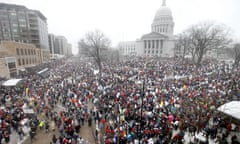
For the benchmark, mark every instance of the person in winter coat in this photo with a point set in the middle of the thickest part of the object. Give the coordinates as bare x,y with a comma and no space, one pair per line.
90,121
53,126
54,139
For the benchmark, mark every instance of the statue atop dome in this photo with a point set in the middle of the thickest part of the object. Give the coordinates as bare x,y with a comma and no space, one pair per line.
164,3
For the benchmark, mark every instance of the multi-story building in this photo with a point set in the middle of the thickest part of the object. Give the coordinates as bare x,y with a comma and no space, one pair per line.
63,44
128,48
16,56
159,42
20,24
59,45
51,43
58,48
69,50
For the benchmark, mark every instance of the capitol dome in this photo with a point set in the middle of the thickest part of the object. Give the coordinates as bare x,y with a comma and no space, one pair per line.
163,11
163,20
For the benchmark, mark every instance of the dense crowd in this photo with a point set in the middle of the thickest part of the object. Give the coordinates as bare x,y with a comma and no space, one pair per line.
171,98
136,101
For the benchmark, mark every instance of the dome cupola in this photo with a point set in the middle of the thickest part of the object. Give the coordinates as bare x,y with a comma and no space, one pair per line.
163,20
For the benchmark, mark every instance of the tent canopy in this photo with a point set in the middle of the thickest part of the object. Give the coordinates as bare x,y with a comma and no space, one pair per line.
231,108
11,82
42,71
28,111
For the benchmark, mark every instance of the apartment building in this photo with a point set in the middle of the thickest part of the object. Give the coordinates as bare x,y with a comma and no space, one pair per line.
20,24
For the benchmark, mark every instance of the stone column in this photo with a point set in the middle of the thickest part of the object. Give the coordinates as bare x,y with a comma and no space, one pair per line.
150,44
147,44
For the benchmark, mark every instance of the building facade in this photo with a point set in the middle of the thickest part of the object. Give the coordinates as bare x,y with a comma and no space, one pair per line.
69,50
16,56
20,24
59,45
128,48
159,42
51,43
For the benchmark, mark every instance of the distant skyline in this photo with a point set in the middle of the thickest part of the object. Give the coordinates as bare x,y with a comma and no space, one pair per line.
128,20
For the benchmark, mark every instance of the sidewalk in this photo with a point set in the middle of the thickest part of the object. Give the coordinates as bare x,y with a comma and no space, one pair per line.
15,139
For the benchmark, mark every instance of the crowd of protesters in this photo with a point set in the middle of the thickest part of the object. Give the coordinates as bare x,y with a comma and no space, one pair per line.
171,97
36,92
136,101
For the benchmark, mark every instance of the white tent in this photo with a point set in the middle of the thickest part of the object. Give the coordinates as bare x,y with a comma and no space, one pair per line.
28,111
42,71
11,82
231,108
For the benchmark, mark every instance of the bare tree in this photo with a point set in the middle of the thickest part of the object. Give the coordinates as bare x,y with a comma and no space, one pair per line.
94,45
183,42
206,36
113,55
236,54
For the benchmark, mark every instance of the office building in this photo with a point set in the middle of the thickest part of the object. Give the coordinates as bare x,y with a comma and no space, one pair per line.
59,45
20,24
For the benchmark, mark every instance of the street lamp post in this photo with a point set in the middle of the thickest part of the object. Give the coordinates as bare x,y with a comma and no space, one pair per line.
142,95
75,76
120,81
141,113
118,110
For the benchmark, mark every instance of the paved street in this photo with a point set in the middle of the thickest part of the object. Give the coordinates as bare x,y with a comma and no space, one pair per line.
42,137
45,138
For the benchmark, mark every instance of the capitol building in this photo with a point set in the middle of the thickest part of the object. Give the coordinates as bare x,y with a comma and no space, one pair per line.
159,42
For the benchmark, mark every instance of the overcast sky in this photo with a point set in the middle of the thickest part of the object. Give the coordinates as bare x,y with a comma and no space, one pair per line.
127,20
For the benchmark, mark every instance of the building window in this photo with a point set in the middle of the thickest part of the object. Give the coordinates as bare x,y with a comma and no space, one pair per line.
153,44
22,52
13,13
23,61
25,52
26,61
15,30
11,65
149,44
18,51
19,62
